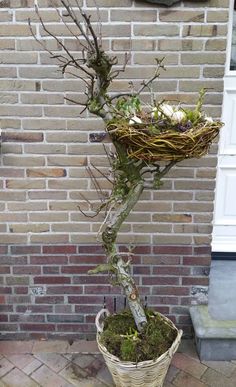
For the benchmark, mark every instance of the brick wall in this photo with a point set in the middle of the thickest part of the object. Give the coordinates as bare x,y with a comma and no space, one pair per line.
46,148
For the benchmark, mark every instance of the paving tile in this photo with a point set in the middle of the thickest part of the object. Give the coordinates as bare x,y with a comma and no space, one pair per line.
187,364
224,367
183,379
105,376
17,378
5,366
215,379
16,347
53,360
51,346
21,360
73,374
83,360
172,373
31,367
83,346
188,347
94,368
47,378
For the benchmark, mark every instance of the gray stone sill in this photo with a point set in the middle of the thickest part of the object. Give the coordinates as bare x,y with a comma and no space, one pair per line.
215,339
207,327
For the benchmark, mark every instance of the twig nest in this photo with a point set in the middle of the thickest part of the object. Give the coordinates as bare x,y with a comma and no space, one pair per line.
168,139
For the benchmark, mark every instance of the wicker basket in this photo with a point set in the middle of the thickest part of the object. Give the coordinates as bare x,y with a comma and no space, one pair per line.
149,373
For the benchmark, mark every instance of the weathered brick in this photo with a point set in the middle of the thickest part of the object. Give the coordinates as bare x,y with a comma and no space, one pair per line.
16,30
46,172
181,16
23,137
52,280
133,15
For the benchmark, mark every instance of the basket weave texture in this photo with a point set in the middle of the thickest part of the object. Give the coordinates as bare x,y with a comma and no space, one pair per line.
150,373
169,145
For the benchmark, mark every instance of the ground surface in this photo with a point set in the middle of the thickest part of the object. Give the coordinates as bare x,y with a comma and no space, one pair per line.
59,364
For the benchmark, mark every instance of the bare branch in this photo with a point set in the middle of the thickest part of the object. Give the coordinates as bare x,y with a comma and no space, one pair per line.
155,76
77,23
103,174
75,102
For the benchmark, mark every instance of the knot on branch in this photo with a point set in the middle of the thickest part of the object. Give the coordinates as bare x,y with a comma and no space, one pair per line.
109,235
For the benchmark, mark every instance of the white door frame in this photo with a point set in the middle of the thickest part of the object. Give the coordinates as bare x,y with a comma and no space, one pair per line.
224,221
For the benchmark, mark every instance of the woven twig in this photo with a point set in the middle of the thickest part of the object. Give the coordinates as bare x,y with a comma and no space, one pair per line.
169,145
150,373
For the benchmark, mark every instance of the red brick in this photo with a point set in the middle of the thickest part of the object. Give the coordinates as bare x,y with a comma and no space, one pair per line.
199,261
160,280
158,300
202,250
79,269
76,328
92,279
161,260
3,249
26,270
86,259
5,290
97,289
21,290
37,327
23,137
184,320
87,309
97,249
137,249
170,270
51,270
181,250
48,260
52,280
2,299
60,249
195,281
18,250
171,290
64,289
3,318
84,299
4,269
146,270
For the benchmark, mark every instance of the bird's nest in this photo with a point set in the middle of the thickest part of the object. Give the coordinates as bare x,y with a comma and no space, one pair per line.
168,145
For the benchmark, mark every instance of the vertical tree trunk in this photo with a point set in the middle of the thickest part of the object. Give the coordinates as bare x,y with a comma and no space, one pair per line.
122,268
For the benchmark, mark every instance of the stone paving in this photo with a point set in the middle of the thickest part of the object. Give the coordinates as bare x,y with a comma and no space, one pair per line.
60,364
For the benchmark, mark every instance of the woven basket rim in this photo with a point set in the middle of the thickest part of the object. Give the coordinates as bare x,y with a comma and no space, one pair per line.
146,363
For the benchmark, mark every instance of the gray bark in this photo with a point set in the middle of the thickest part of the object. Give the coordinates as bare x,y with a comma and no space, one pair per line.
122,268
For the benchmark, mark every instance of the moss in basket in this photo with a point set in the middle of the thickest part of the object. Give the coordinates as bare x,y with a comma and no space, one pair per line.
121,338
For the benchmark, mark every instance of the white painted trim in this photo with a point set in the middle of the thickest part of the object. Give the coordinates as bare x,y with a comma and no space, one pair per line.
229,40
223,246
224,227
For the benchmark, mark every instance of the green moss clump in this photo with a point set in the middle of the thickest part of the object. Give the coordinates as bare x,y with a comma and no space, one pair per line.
121,338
